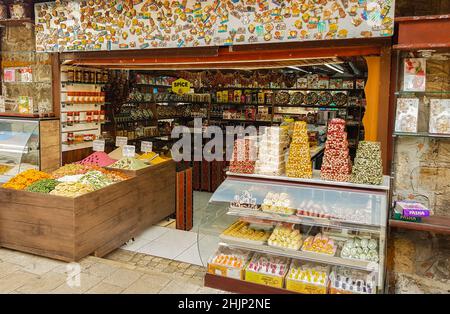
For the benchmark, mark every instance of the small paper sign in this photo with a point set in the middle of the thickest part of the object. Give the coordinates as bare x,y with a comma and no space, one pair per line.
99,146
121,141
129,151
146,147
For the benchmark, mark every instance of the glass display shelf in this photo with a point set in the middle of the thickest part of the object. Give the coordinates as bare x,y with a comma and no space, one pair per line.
340,212
19,147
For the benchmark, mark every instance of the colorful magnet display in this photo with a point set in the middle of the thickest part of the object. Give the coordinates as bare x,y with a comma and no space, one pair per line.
117,24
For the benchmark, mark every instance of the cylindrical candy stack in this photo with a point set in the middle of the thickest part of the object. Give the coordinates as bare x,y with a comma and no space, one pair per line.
244,156
336,165
299,162
272,151
368,167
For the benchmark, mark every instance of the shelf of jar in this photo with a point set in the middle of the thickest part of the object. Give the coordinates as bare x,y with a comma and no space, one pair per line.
316,180
71,103
81,83
70,147
420,134
68,124
287,89
256,215
301,255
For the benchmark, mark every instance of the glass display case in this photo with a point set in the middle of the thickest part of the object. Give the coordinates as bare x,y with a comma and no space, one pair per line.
315,235
19,146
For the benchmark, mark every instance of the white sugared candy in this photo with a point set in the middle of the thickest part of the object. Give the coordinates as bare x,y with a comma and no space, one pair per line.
363,249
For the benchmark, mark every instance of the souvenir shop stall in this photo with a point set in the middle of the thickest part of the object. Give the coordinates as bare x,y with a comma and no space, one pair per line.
312,216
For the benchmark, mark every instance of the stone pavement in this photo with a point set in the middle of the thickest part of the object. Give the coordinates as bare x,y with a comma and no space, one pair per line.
120,272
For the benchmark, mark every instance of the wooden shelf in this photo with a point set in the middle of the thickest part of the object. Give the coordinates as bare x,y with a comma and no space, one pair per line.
437,224
240,286
16,22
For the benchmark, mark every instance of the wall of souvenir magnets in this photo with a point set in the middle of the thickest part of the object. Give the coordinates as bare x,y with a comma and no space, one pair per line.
115,25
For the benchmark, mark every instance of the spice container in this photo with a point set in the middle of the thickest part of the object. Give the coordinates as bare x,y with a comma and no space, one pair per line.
70,138
95,116
89,116
70,117
76,118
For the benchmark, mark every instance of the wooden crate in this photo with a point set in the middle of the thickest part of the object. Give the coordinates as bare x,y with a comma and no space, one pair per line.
96,223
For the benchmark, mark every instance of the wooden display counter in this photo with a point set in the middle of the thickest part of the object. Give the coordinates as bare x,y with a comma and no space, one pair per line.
69,229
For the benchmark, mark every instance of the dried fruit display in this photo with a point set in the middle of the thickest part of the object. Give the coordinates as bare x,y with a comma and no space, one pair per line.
25,179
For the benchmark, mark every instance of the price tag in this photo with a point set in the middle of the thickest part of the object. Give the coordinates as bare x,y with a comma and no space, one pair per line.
121,141
99,146
129,151
146,147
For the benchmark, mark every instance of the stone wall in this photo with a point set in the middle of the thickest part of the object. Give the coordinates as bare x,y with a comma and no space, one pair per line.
18,45
420,261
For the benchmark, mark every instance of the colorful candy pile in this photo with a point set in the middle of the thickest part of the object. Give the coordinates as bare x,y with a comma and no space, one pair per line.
70,170
267,264
244,156
100,159
25,179
286,237
299,162
308,272
319,244
43,186
72,189
272,151
242,230
95,179
279,203
368,168
336,164
364,249
129,164
4,169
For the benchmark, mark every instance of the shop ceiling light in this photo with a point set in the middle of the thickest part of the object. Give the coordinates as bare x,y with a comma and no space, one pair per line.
333,68
298,69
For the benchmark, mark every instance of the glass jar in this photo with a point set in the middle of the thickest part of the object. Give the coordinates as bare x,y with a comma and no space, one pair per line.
89,116
70,117
76,117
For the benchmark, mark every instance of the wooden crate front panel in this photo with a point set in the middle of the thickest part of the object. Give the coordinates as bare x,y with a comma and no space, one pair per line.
37,223
50,145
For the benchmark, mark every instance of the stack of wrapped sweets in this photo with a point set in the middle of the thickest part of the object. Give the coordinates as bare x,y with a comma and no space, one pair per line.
245,201
319,244
310,208
299,162
272,151
309,273
336,165
268,264
349,281
363,249
279,203
368,168
244,156
286,236
228,262
243,230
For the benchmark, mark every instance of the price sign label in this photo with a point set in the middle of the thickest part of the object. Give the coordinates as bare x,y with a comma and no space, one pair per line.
99,145
121,141
129,151
146,147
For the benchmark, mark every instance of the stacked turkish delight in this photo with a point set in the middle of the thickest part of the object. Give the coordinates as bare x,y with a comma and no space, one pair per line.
336,164
299,162
244,156
272,151
368,168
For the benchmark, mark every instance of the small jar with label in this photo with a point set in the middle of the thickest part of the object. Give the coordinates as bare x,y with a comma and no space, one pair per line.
95,116
102,115
89,116
76,117
70,117
70,138
83,116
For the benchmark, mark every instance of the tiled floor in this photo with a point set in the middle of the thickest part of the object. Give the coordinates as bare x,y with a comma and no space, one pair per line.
175,244
122,272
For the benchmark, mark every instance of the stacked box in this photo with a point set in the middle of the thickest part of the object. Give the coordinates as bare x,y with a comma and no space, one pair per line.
299,162
368,168
336,165
244,156
272,151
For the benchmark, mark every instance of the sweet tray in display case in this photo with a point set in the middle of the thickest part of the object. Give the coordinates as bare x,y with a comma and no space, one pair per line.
296,232
19,147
